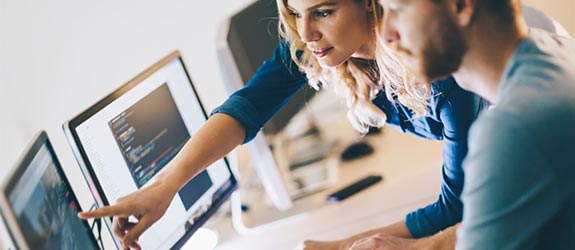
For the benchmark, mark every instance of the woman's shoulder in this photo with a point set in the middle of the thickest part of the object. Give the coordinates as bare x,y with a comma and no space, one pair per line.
453,105
443,86
447,93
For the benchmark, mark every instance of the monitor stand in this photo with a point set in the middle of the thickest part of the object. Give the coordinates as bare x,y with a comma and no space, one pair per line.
253,212
308,161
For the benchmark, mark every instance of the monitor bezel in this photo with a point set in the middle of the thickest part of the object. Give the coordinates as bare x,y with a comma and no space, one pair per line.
69,127
16,234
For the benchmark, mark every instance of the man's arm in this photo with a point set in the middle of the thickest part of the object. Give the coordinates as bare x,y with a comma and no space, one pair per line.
397,229
457,110
511,189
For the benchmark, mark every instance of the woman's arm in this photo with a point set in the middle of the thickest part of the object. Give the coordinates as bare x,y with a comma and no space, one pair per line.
456,109
452,111
273,84
215,139
236,121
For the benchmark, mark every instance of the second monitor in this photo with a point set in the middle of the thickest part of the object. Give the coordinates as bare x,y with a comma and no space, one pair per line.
39,205
125,139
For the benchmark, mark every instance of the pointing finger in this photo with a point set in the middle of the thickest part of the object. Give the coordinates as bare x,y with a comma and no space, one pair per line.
107,211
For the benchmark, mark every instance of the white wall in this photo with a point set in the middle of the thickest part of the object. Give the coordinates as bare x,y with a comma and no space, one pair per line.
561,10
59,57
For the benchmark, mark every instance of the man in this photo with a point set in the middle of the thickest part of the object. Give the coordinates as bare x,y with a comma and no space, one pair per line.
518,193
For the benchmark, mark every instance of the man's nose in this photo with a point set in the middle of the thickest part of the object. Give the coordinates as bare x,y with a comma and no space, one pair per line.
390,34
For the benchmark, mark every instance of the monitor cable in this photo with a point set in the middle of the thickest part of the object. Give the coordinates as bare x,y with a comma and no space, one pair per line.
98,224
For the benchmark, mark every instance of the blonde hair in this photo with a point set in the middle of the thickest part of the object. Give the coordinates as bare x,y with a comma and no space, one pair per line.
357,80
399,82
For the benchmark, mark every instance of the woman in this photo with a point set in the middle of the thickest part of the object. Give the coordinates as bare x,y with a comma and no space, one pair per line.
334,43
410,112
340,53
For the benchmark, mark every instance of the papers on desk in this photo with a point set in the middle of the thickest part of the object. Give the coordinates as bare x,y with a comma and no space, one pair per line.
312,165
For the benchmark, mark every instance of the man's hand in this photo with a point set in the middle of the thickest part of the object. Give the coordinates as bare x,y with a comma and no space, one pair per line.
325,245
397,229
444,240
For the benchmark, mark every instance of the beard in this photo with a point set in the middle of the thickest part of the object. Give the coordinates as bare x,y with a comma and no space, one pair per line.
443,53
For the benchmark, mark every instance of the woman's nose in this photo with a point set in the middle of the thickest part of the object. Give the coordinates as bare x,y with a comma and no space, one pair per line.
308,33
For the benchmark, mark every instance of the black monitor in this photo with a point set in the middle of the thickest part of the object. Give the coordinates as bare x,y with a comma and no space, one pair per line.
125,139
39,206
248,38
245,41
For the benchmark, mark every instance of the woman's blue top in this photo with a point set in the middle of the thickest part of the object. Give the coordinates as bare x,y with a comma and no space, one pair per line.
452,110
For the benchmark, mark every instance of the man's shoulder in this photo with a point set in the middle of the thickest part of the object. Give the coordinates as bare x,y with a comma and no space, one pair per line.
542,51
524,122
540,75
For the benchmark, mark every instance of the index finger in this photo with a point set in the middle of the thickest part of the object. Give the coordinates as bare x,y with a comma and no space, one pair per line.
107,211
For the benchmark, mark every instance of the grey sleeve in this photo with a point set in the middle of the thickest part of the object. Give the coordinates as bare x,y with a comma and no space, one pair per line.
510,190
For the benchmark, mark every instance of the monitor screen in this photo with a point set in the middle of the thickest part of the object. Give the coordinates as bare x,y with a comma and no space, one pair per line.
124,140
39,205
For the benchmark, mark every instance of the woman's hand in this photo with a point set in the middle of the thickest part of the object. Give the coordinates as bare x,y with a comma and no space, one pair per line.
147,205
384,242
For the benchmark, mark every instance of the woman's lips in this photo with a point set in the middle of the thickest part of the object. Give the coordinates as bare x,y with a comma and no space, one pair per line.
321,52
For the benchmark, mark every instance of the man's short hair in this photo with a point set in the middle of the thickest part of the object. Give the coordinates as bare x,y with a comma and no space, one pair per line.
503,9
506,10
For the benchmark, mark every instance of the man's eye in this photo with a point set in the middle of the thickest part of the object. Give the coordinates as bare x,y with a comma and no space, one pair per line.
396,8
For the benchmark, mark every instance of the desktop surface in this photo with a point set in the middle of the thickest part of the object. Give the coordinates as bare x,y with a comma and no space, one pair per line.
411,167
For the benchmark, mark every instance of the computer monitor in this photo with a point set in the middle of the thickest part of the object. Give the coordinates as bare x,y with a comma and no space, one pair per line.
38,204
245,41
125,139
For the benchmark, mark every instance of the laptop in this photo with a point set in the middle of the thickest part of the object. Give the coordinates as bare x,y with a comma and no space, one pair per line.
38,204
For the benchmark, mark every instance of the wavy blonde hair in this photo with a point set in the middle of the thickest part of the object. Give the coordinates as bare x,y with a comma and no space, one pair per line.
358,80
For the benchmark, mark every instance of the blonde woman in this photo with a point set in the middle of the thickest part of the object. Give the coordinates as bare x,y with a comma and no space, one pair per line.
327,44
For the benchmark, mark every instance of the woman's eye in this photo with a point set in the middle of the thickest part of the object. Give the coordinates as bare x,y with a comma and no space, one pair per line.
322,13
294,14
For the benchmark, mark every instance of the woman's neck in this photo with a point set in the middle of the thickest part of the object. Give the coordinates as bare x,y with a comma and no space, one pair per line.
366,51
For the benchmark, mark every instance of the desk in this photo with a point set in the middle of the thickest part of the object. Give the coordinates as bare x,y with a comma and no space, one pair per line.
411,168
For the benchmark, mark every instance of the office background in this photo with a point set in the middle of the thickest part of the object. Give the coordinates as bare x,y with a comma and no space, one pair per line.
59,57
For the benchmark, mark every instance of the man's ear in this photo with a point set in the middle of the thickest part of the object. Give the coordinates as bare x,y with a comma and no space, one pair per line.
464,11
